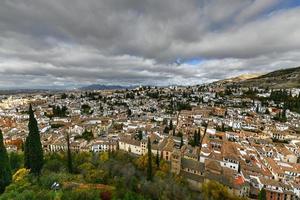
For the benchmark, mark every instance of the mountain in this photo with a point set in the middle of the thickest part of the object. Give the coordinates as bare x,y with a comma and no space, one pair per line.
106,87
284,78
237,79
26,91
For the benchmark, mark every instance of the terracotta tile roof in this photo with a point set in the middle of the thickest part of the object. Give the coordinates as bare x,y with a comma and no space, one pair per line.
212,165
230,151
192,164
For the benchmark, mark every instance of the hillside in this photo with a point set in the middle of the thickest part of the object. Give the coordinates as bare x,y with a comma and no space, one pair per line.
237,79
106,87
284,78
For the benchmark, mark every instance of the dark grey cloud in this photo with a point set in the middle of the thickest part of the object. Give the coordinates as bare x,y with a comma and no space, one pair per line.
74,42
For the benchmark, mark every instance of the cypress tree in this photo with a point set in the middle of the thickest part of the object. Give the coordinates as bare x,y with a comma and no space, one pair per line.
26,154
157,159
262,194
5,170
196,138
149,166
181,141
140,135
171,125
70,164
199,137
223,127
34,158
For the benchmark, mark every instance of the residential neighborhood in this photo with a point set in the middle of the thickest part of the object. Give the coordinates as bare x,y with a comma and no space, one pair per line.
247,139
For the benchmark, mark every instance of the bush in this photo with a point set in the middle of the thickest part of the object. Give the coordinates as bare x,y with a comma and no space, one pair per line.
16,160
54,166
80,195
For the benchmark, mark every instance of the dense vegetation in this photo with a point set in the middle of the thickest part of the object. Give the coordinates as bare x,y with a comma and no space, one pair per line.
284,78
290,102
57,111
122,176
282,98
125,176
87,135
86,109
5,170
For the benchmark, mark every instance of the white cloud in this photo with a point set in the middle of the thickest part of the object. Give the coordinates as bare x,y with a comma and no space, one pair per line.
67,43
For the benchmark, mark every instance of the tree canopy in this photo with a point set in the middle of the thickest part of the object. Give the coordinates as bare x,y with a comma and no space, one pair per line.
5,170
33,151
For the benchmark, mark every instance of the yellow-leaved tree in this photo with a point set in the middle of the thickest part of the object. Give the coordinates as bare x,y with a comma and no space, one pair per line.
20,174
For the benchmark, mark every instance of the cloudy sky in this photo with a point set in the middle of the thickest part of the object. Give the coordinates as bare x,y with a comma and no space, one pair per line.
70,43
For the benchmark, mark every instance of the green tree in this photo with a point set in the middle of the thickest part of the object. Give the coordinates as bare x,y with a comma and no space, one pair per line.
16,160
140,135
199,137
171,125
87,135
5,171
166,129
64,96
213,190
69,155
33,155
129,112
149,166
157,160
86,109
262,194
181,141
196,138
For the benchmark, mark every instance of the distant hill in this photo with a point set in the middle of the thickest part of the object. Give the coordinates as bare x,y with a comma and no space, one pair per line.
237,78
25,91
106,87
284,78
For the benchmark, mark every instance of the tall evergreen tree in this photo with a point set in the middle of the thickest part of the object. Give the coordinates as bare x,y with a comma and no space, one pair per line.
200,143
26,154
149,166
223,127
171,125
262,194
5,170
199,136
181,141
70,164
140,135
33,155
196,140
157,159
